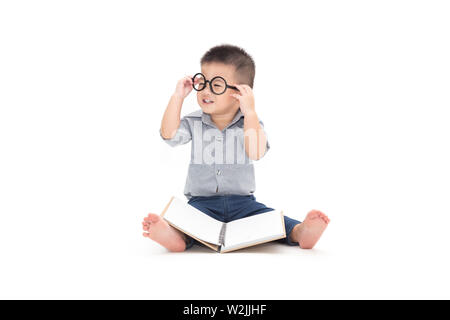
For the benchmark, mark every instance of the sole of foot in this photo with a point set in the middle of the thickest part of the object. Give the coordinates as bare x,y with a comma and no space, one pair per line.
157,229
311,229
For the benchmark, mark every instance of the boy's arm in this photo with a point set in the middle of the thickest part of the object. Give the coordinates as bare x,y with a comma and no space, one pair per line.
174,131
256,143
171,118
255,138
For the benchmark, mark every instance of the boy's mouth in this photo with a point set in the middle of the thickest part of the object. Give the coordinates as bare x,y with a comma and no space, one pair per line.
207,101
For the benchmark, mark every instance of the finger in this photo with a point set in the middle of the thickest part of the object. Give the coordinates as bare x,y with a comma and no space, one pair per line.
242,88
248,89
197,80
245,90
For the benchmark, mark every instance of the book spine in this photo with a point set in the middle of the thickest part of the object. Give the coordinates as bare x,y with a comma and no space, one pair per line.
222,234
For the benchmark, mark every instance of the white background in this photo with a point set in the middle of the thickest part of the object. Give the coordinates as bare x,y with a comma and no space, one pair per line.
355,100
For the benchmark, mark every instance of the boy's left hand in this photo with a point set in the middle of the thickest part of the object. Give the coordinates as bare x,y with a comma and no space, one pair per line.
246,98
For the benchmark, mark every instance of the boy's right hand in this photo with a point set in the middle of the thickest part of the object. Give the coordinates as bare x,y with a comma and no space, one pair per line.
184,87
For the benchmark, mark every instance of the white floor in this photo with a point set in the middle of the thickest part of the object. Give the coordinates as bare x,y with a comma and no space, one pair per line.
339,267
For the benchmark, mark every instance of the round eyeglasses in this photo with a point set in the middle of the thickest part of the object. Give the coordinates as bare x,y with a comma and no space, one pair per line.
218,85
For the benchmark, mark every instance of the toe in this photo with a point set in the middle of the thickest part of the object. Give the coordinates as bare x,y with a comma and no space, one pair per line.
324,217
313,214
153,218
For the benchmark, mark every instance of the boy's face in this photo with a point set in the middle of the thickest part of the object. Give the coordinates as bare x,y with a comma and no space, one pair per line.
223,103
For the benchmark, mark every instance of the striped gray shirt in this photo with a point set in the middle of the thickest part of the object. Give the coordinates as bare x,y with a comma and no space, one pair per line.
219,164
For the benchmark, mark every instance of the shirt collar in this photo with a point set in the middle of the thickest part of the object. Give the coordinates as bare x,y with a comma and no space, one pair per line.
206,118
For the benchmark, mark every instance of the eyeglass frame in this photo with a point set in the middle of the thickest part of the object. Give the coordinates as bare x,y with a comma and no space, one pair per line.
210,85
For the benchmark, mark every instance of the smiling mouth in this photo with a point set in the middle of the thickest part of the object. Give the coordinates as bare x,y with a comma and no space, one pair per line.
207,101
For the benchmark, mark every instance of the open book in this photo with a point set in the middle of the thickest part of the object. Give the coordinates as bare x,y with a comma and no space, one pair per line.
222,236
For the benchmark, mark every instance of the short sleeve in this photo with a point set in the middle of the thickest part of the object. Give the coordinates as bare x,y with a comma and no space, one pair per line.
267,138
182,136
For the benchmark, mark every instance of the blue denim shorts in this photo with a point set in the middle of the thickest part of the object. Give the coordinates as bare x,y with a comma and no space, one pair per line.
227,208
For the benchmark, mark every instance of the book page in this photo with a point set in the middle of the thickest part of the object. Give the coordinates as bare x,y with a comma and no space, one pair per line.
254,229
192,221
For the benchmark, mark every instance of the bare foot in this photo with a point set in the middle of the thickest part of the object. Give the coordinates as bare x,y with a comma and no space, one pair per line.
309,231
157,229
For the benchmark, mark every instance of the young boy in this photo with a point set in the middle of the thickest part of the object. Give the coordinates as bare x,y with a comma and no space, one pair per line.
220,181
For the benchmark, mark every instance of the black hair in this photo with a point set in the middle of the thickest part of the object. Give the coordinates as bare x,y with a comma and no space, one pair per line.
237,57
